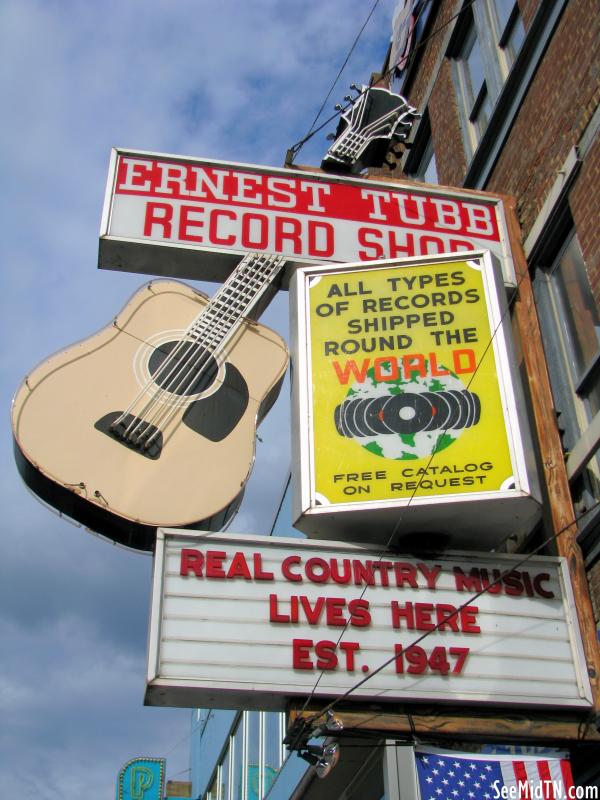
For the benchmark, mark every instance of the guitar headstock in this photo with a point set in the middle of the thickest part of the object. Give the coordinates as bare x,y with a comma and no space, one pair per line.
372,119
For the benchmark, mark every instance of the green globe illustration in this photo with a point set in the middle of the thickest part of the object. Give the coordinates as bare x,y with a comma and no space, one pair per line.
407,418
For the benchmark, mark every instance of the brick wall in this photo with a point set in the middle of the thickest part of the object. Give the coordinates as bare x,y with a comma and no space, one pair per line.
445,129
585,207
528,9
554,114
594,584
556,111
432,51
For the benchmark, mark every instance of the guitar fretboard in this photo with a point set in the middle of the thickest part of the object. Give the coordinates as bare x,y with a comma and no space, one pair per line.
235,299
350,146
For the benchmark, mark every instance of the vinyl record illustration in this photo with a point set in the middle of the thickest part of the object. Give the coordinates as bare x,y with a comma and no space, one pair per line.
407,418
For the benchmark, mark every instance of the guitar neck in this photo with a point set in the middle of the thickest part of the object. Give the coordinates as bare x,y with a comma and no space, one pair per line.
349,145
235,299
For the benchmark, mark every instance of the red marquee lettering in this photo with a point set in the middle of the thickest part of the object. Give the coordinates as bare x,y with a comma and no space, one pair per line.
191,560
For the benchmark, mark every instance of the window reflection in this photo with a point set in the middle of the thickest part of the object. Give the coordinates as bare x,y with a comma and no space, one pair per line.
510,29
224,793
252,760
213,792
273,738
473,88
486,47
580,321
253,749
237,773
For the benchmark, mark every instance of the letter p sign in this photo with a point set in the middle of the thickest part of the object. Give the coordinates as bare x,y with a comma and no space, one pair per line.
141,779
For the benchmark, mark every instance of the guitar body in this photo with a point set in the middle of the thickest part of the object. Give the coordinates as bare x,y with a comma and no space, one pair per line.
201,451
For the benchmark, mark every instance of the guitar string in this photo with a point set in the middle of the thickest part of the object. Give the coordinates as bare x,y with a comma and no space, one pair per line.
230,328
200,326
165,364
213,328
162,374
356,140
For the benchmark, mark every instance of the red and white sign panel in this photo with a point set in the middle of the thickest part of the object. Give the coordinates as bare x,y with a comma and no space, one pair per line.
242,622
225,210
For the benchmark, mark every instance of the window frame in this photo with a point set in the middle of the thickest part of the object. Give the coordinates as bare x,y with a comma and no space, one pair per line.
480,24
421,152
575,416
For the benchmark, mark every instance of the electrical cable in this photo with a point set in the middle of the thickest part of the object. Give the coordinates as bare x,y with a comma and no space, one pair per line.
311,133
295,148
457,611
553,537
276,517
349,55
402,514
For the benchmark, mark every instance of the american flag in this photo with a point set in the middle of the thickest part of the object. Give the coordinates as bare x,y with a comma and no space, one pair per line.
464,776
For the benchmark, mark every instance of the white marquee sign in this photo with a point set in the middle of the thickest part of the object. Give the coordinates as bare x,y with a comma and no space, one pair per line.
242,622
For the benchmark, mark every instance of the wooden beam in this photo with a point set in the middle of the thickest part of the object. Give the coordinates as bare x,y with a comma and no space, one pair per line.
479,723
560,506
523,725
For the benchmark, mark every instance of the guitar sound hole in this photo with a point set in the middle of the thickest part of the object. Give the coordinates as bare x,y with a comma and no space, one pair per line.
183,368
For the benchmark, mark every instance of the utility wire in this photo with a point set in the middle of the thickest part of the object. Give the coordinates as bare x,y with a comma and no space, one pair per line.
485,590
402,514
337,77
277,513
526,557
295,148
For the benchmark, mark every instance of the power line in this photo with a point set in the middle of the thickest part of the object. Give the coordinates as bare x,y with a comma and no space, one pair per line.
333,85
295,148
402,514
457,611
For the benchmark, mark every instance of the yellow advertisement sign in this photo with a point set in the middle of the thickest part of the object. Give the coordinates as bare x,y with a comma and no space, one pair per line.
406,400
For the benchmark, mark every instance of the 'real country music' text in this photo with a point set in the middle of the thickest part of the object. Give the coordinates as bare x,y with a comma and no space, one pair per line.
314,592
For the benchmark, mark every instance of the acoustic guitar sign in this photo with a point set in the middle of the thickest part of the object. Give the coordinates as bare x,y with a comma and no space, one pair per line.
405,380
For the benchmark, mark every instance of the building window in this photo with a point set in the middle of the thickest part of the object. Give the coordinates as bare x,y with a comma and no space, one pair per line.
237,774
252,758
580,322
472,87
273,736
509,30
254,750
213,792
420,164
483,49
571,330
225,781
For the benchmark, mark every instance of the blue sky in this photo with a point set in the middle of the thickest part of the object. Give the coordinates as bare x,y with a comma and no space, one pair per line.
227,80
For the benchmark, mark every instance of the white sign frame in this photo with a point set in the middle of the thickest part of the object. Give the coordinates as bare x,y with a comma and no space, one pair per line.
477,519
212,644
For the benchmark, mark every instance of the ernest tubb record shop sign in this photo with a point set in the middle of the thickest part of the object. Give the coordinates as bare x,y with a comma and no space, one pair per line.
160,210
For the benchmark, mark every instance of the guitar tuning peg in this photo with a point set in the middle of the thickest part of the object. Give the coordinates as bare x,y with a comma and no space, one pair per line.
354,87
330,137
338,106
349,98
